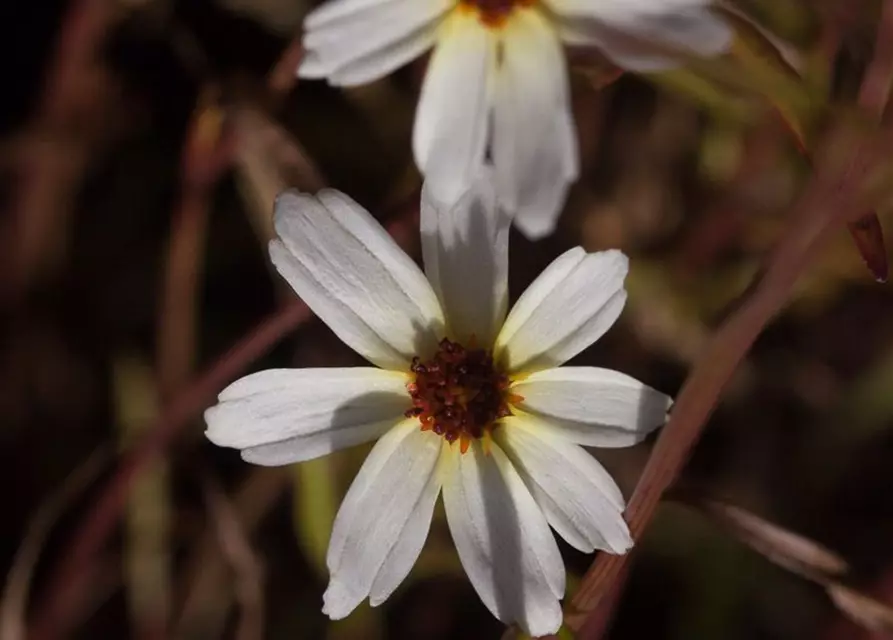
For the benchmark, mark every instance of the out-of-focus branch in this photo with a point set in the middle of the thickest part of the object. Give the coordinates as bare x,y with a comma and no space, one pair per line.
237,550
207,153
207,593
89,536
874,93
846,165
844,170
52,154
93,531
874,96
146,556
15,594
283,76
864,616
205,156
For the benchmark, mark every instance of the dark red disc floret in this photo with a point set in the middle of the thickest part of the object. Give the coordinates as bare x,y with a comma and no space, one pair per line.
458,394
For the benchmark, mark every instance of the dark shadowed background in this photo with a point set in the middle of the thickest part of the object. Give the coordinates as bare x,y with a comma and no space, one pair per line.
142,144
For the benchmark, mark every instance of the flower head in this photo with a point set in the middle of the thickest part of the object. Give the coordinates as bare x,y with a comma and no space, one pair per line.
497,84
465,399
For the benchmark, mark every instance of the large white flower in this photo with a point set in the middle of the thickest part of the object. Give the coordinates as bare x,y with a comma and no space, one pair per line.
497,83
464,399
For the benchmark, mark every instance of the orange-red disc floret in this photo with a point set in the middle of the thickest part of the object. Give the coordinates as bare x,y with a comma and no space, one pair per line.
493,13
458,394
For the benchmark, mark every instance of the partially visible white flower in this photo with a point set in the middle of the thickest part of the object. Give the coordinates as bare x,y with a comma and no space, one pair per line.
465,399
497,83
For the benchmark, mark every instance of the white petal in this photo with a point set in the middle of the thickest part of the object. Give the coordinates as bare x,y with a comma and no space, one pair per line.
619,47
345,32
542,200
288,415
336,11
384,518
534,143
580,499
624,31
503,540
567,308
406,550
450,131
591,406
353,275
625,12
465,251
312,67
385,60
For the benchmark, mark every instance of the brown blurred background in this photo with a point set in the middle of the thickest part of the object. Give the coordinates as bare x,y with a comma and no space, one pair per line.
143,142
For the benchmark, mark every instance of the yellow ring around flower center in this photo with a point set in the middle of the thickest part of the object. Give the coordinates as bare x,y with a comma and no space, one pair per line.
493,13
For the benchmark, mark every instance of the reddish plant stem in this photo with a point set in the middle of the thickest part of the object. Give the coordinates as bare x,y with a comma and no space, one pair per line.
874,95
832,198
207,154
843,627
283,77
232,540
205,600
104,513
51,158
56,611
836,188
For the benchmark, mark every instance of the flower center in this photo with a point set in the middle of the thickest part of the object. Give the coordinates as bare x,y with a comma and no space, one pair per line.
493,13
458,394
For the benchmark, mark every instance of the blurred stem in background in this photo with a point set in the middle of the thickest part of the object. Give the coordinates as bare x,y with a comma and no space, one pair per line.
229,131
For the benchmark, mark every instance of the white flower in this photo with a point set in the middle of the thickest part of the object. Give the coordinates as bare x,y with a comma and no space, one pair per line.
464,399
497,84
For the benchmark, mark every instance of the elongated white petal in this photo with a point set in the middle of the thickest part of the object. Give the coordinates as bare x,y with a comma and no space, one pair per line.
450,131
368,35
534,143
384,519
336,11
385,60
503,540
541,201
623,12
353,275
567,308
591,406
288,415
580,499
619,47
465,251
635,34
406,550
